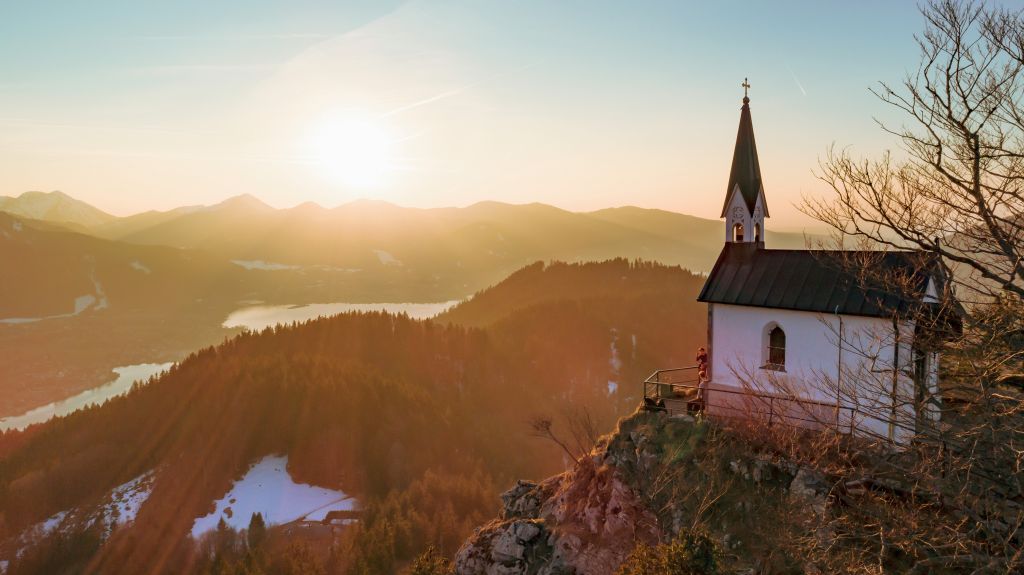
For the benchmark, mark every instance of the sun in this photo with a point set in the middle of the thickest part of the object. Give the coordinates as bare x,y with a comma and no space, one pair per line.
352,150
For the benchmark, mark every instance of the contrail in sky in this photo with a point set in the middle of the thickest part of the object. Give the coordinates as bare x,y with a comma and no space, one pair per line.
429,100
797,80
453,92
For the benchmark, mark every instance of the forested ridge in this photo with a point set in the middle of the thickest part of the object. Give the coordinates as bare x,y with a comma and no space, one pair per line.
420,420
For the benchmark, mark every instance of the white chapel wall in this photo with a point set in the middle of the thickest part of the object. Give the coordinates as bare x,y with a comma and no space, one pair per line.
860,378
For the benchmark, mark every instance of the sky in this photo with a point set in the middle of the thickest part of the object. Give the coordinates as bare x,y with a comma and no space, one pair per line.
133,105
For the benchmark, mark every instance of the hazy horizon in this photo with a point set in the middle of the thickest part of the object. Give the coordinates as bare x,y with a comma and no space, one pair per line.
431,104
464,287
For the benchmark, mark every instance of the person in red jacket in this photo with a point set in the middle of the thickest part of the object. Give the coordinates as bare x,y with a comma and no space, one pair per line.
702,364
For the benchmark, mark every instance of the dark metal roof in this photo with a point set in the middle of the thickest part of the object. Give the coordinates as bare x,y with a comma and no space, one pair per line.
746,170
820,280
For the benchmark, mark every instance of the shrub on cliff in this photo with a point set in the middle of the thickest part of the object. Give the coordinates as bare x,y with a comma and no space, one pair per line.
431,563
692,552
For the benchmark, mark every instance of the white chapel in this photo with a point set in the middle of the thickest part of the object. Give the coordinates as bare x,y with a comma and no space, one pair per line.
803,337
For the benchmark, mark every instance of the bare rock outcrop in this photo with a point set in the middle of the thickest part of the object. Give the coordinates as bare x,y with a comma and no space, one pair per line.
586,520
645,483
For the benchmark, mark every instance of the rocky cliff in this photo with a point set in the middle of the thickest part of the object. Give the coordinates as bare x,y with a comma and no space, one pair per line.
650,479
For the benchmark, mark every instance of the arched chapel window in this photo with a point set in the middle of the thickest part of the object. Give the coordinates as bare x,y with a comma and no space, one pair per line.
757,232
777,348
737,232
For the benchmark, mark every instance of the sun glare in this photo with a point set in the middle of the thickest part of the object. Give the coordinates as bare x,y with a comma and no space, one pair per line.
353,151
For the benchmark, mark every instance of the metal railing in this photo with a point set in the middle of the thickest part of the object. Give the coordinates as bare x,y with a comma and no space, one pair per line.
673,385
679,376
681,390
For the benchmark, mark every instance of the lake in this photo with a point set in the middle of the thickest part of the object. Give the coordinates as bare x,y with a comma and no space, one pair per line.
261,316
126,376
252,317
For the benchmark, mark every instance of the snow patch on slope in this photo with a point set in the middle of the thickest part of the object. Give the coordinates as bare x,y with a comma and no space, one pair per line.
53,522
83,302
96,301
101,296
614,361
125,500
386,258
267,488
262,265
118,507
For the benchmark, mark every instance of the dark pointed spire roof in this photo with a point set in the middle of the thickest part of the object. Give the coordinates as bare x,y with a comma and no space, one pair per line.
746,171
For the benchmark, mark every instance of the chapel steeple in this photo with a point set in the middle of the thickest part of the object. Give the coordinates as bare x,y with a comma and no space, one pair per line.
745,207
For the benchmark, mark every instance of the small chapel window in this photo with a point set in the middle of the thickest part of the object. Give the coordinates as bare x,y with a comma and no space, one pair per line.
776,348
737,232
757,232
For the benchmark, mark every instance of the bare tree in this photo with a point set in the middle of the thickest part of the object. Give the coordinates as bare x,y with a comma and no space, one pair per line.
955,187
582,430
954,191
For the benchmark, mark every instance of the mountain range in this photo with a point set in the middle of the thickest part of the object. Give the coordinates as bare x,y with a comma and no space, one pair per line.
367,233
55,207
160,284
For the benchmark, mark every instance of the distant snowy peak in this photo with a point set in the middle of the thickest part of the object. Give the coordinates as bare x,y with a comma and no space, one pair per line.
54,207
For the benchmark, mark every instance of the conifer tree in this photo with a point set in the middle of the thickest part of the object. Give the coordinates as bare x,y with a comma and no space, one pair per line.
257,531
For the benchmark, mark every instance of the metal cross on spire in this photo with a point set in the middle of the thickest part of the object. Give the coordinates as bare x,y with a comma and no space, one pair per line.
746,86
